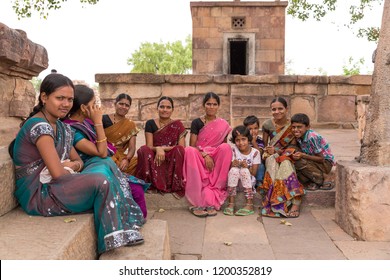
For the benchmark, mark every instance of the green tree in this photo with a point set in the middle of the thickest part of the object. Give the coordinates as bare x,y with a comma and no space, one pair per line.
160,58
353,67
25,8
305,9
36,83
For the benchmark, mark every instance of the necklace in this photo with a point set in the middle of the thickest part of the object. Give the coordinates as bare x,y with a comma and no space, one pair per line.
206,120
115,120
162,124
54,126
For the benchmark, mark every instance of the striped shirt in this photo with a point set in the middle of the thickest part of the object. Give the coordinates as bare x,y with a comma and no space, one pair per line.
312,144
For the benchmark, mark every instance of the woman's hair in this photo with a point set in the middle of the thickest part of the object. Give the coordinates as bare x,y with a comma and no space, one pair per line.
123,96
300,118
210,95
82,95
165,98
281,100
249,120
50,84
241,130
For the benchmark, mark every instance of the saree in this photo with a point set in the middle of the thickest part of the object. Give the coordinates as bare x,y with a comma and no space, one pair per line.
203,187
119,134
168,177
136,187
280,188
70,194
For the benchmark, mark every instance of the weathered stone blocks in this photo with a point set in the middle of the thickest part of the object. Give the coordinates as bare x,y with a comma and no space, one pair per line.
363,200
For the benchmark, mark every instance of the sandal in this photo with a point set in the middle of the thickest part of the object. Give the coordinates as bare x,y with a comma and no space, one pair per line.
312,187
326,186
198,211
210,210
244,212
135,242
293,214
229,211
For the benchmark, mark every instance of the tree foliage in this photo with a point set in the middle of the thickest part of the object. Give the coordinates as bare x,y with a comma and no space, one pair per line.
160,58
25,8
305,9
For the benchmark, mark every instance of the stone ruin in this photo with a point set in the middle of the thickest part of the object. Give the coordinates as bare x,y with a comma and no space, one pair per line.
363,188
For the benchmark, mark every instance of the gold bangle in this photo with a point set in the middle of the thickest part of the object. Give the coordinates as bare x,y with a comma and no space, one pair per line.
101,141
97,124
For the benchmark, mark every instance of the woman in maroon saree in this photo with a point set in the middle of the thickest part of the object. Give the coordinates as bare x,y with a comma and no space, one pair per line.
160,161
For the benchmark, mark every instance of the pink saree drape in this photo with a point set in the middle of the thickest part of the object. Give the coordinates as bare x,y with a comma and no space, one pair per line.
203,187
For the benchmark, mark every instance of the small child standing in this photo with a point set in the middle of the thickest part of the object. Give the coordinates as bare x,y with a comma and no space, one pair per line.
252,123
245,162
316,158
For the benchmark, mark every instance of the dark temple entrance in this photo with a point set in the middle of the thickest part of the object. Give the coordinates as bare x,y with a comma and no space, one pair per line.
238,57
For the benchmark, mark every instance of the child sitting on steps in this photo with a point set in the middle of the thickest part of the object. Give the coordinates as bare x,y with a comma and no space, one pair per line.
245,161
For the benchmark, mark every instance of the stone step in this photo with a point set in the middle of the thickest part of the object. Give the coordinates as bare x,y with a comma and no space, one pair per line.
160,202
7,184
24,237
155,247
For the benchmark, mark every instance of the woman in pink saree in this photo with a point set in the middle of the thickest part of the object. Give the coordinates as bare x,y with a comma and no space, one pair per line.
207,160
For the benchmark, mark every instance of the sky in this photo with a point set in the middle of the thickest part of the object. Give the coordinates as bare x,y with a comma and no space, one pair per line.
83,40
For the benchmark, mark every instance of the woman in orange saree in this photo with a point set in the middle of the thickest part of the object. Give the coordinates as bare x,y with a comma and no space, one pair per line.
122,133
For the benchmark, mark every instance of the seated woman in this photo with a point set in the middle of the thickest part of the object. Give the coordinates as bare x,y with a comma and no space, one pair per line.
45,143
91,143
122,133
207,160
160,161
281,189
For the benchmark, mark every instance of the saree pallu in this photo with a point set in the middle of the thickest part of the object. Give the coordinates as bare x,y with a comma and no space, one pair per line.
168,177
280,186
203,187
69,194
119,134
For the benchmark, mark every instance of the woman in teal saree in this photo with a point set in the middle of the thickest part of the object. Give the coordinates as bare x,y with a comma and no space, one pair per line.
44,142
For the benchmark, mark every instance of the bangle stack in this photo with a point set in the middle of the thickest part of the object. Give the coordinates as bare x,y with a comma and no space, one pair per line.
101,141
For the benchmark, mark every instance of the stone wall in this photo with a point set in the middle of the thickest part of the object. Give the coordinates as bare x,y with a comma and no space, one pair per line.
329,101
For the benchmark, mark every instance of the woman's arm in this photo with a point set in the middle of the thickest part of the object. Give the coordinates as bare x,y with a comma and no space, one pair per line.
75,163
265,138
193,139
48,152
99,149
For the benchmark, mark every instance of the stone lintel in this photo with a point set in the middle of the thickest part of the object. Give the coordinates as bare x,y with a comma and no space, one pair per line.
309,79
363,200
355,80
129,78
239,4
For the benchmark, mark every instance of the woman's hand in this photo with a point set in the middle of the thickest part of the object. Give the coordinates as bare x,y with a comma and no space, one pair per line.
209,163
95,113
124,164
160,156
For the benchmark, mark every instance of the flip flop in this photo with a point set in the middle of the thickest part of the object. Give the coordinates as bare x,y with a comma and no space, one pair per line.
244,212
326,186
312,187
211,211
293,214
229,211
198,211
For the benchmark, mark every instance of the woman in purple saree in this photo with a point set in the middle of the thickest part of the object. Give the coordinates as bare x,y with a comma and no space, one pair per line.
207,160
